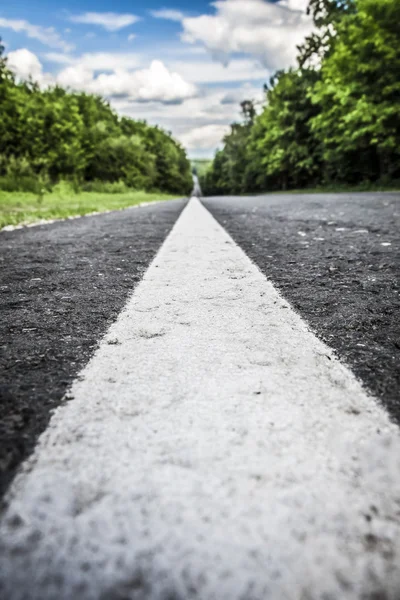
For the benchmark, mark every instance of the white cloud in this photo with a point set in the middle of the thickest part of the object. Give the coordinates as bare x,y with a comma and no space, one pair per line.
110,21
199,123
169,15
76,77
208,71
45,35
178,49
209,107
267,31
131,37
59,58
98,61
296,4
204,138
154,84
26,65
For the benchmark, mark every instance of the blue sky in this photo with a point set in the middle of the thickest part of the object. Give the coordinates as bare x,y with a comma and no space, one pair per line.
185,65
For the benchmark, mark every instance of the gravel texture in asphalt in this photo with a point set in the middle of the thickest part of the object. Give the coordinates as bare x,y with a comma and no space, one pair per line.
336,258
61,285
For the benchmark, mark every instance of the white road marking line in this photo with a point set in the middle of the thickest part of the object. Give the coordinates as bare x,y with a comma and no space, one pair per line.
213,448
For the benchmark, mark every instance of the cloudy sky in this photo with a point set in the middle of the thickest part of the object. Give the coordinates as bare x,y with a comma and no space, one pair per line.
183,64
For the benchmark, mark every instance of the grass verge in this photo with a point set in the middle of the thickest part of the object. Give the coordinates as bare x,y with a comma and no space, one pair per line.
338,188
23,207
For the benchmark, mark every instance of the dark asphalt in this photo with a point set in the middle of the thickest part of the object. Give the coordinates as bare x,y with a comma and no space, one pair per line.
336,258
61,285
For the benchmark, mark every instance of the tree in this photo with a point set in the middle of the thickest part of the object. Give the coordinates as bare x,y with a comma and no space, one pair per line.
282,144
359,95
326,15
53,133
227,174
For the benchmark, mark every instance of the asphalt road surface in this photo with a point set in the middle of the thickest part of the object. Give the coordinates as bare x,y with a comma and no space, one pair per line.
217,385
336,258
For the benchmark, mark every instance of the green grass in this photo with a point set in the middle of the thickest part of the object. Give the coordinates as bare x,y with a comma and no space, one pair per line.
334,188
25,207
337,188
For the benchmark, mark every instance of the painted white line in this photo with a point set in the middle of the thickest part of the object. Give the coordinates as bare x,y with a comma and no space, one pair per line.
213,448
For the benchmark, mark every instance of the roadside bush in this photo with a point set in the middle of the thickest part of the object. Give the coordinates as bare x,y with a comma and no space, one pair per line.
105,187
12,183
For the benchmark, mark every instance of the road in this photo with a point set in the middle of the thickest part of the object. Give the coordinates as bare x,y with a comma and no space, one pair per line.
226,379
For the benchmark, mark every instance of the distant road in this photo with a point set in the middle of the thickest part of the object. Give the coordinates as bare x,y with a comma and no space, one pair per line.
226,379
197,193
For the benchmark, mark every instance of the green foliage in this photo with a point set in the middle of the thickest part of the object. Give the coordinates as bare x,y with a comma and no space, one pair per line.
282,147
105,187
326,15
359,94
336,120
18,175
54,134
200,166
228,173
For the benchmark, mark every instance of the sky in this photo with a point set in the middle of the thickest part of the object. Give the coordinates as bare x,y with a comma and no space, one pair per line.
182,64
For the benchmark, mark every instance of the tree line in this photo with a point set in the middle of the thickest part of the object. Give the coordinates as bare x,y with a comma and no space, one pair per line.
334,119
51,134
